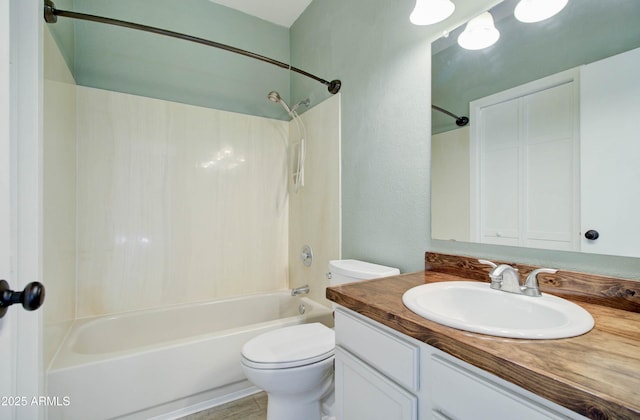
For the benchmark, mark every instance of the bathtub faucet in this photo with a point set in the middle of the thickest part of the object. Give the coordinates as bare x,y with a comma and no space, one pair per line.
302,290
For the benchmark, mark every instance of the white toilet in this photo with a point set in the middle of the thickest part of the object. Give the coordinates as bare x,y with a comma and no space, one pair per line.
294,365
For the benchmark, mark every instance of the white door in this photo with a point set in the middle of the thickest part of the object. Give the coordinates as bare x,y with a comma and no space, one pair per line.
524,171
7,325
20,238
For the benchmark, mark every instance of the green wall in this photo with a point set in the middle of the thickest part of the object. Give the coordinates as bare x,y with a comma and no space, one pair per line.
384,63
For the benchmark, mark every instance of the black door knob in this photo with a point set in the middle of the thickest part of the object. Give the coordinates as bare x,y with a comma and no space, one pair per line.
591,235
31,297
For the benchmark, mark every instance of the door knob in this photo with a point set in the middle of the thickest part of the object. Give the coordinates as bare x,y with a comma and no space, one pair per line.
31,297
592,235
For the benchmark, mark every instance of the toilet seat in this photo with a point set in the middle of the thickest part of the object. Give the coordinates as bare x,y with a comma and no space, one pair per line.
289,347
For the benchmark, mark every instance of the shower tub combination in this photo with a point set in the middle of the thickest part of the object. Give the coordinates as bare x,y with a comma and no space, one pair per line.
167,362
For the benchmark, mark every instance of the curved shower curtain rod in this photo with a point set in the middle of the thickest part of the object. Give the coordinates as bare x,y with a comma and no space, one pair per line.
460,121
51,16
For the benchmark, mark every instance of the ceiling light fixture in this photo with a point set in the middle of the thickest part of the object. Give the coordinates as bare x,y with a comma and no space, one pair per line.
479,33
428,12
529,11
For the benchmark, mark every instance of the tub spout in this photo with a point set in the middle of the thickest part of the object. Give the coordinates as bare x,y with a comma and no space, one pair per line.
302,290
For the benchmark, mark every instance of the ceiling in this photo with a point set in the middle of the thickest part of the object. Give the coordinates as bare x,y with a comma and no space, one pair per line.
280,12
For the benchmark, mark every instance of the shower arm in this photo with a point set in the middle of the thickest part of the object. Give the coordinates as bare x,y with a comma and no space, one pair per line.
51,16
460,121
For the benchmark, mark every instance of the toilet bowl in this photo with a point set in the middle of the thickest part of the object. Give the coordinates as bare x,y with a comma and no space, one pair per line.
294,365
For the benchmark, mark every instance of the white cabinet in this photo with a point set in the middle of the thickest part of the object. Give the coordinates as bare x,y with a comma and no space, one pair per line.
377,372
461,392
374,345
364,393
382,374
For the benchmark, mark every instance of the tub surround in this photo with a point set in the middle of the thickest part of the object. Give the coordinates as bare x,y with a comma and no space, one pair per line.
314,211
58,196
596,374
171,199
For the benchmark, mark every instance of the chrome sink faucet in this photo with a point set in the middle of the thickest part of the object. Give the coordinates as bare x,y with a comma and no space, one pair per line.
507,278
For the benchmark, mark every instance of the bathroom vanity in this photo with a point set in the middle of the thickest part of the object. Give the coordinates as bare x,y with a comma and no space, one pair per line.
392,363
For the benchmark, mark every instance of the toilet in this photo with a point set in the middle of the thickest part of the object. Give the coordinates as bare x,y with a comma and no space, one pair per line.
294,365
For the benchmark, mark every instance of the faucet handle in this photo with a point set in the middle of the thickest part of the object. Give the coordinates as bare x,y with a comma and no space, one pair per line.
495,274
531,286
487,262
496,281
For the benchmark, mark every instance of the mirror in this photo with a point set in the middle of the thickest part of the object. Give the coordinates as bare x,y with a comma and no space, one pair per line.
586,34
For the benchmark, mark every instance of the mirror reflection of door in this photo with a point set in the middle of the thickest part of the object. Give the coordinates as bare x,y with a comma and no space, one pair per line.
524,172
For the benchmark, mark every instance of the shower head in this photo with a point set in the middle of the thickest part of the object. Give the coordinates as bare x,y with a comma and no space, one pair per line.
275,97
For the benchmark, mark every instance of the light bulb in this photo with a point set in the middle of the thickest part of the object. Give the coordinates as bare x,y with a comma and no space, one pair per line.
479,33
428,12
529,11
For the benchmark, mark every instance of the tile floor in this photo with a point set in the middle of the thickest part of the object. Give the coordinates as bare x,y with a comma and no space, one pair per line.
253,407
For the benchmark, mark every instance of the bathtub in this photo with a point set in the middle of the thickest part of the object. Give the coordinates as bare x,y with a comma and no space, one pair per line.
166,362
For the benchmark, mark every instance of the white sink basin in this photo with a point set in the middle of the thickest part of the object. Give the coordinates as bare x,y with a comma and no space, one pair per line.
474,306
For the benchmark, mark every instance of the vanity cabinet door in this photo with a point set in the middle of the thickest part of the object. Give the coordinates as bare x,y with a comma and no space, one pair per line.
459,393
362,393
373,345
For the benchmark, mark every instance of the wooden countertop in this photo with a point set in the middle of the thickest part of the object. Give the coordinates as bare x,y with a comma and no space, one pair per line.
596,374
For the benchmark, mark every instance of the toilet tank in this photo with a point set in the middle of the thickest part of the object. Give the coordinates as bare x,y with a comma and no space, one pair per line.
347,271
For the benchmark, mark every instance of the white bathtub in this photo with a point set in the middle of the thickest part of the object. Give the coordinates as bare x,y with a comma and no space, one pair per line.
150,363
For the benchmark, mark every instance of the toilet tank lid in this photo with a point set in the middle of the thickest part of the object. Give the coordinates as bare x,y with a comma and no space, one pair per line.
361,269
